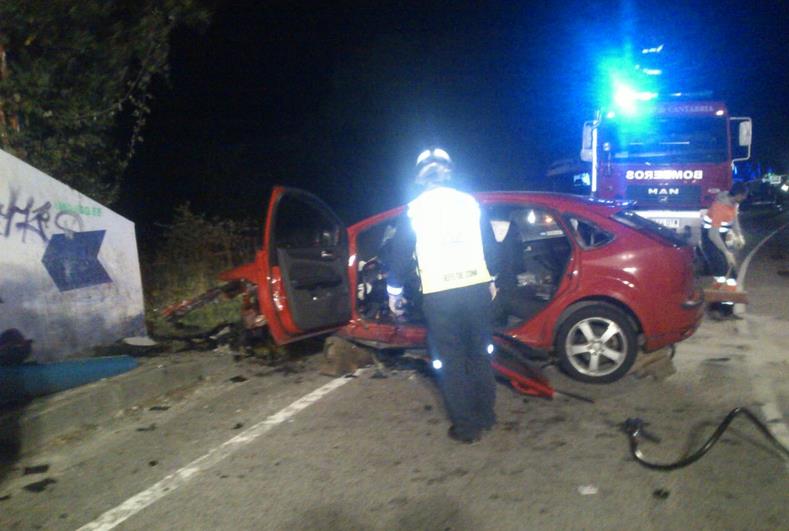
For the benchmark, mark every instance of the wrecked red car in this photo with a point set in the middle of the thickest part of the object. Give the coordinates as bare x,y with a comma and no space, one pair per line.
588,282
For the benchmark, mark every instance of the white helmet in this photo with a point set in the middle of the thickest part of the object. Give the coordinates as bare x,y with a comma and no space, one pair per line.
433,166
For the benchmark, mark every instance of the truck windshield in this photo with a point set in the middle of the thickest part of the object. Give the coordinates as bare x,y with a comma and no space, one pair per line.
665,139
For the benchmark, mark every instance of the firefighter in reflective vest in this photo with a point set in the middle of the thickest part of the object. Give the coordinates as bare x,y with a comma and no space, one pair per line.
721,235
446,236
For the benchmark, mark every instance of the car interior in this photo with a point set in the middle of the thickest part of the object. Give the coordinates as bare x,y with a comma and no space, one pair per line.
531,254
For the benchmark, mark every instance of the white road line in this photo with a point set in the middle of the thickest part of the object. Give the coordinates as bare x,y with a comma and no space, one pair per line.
739,309
177,479
762,385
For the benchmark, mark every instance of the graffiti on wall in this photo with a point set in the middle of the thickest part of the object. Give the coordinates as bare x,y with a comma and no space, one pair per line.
82,210
73,262
27,219
71,254
38,220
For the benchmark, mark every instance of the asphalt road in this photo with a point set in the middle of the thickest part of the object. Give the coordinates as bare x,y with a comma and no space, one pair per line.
296,450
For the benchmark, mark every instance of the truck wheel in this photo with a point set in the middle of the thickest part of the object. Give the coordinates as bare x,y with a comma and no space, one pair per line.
597,344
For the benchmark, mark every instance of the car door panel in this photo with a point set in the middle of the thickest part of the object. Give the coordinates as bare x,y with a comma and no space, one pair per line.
305,258
316,288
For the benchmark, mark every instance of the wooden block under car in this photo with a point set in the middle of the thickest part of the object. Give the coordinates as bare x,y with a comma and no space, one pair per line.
658,364
719,295
340,357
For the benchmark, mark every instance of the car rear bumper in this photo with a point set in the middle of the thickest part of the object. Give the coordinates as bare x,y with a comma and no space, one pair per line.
684,322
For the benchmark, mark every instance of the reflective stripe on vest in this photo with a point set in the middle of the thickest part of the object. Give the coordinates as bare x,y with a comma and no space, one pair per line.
707,224
448,240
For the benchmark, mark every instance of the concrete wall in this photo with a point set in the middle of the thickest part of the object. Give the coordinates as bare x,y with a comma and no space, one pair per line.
69,270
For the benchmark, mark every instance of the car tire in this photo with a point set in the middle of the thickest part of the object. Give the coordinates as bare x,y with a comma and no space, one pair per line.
597,344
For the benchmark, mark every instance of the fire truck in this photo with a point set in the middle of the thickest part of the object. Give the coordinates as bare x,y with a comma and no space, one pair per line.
669,154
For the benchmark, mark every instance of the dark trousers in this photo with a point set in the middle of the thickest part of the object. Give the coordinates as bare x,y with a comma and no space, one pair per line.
718,268
458,327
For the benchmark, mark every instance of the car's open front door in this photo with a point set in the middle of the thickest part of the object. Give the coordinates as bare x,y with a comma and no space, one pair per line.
305,257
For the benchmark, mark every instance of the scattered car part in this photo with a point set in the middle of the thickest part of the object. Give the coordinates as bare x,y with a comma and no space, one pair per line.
524,378
634,427
522,374
229,290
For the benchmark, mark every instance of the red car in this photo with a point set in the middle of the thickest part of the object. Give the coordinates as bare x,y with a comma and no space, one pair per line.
587,281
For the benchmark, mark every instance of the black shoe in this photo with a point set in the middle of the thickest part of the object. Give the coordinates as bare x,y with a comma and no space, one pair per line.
465,439
717,315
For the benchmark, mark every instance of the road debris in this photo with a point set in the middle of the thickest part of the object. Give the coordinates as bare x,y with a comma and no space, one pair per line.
139,341
238,379
289,368
634,428
35,469
152,427
587,490
40,486
159,408
661,494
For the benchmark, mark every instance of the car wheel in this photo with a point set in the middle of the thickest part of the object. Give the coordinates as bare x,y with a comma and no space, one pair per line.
597,344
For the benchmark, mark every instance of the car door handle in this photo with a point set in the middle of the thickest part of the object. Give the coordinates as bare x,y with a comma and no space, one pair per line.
327,255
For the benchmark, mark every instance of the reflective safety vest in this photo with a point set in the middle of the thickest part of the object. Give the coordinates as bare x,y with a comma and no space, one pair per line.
720,214
449,249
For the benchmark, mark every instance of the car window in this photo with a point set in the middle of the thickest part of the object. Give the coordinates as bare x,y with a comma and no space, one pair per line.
301,224
588,234
528,223
374,241
649,227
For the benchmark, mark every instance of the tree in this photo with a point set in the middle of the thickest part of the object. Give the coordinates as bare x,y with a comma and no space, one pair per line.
75,82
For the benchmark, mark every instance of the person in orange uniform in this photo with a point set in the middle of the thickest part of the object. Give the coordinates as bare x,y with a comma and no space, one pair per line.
721,235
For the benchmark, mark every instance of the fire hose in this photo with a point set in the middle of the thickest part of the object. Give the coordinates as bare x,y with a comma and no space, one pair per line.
634,427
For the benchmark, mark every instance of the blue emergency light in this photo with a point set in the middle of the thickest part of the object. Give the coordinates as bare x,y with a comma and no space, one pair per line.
626,98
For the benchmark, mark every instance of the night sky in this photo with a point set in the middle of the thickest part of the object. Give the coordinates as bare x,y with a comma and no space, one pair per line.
339,100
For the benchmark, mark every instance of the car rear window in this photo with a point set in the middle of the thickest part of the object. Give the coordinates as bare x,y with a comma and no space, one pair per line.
588,234
649,227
